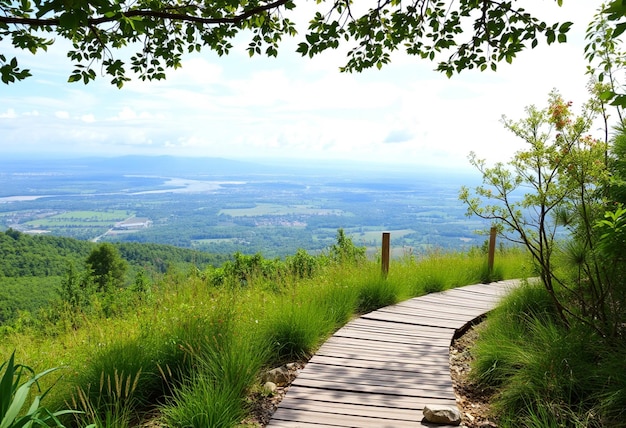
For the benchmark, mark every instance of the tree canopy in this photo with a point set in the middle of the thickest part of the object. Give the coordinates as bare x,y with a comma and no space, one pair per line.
157,33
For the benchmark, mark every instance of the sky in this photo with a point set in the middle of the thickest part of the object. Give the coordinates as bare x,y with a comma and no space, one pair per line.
292,107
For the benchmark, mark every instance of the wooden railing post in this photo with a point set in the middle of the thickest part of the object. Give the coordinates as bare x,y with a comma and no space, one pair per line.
492,248
385,253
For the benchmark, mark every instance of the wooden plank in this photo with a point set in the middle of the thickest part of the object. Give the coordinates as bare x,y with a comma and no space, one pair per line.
275,423
355,398
430,316
332,419
475,293
433,375
352,409
381,322
380,370
389,346
399,350
400,328
400,334
366,376
295,418
391,337
406,391
456,301
407,367
343,353
467,296
410,319
438,307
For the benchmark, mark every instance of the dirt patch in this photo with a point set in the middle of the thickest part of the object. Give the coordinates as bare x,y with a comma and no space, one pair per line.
472,399
263,405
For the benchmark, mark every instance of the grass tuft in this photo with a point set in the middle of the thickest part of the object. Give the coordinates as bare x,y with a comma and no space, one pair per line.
548,374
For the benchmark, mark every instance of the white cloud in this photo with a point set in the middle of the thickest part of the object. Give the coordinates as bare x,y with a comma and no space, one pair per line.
8,114
296,107
126,114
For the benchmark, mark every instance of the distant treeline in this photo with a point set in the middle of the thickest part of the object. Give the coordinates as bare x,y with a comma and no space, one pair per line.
44,255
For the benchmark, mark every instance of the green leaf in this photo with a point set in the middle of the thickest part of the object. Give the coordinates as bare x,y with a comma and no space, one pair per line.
564,28
619,100
619,29
606,95
303,48
69,20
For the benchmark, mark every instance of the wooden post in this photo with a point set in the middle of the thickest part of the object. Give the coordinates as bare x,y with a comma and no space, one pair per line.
492,248
385,253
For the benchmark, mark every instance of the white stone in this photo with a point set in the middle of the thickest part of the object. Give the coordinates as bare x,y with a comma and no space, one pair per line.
446,415
269,387
279,375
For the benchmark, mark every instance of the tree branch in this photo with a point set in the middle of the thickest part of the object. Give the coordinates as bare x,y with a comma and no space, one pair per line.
53,22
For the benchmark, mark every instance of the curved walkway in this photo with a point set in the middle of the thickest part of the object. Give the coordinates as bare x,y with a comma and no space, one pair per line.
380,370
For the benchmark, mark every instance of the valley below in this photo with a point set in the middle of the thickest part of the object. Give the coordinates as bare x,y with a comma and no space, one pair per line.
225,206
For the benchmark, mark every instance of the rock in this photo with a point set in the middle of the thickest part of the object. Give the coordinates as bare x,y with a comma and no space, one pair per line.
445,415
279,376
270,387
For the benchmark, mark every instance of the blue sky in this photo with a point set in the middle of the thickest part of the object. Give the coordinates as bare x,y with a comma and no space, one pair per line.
292,107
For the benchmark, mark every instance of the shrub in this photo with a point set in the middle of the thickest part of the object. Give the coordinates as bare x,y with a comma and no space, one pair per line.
14,394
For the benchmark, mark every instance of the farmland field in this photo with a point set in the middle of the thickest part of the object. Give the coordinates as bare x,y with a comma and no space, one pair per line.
277,209
224,206
81,219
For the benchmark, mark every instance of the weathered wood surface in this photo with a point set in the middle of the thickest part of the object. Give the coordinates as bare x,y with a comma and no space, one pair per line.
381,369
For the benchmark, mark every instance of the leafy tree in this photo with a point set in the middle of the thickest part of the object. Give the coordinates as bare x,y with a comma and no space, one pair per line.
142,283
107,266
345,252
74,288
561,171
15,234
606,63
303,264
162,31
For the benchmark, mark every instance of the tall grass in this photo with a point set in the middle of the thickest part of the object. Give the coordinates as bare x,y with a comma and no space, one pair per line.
547,374
191,352
225,366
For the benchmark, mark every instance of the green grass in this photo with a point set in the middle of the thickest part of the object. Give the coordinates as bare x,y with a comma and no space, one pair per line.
190,353
546,374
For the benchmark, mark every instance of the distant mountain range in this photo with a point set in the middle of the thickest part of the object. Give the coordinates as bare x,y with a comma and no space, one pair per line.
212,166
161,165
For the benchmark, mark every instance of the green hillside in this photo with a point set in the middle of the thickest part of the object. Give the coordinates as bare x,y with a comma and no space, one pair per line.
32,267
188,347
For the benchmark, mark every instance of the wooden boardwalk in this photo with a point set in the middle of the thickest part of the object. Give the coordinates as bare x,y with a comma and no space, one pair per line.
380,370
